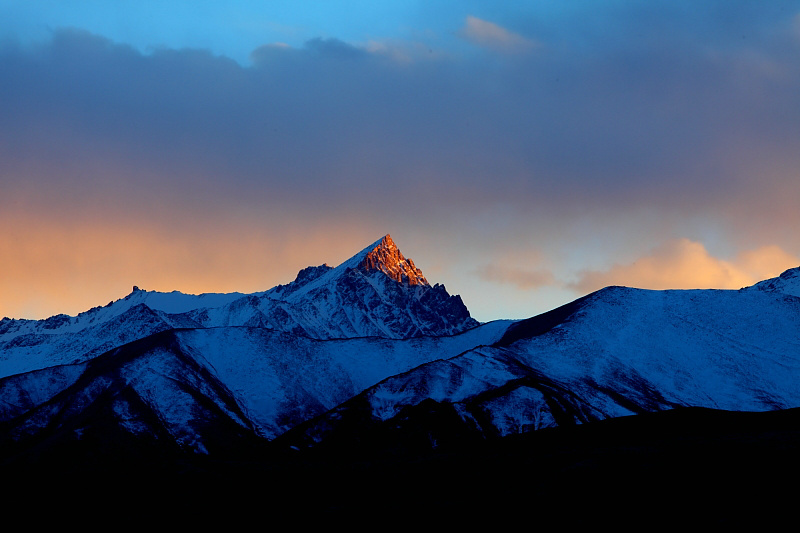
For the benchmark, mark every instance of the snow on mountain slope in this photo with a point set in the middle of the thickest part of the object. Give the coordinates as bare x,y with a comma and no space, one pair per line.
144,391
377,292
79,339
183,385
787,283
281,380
27,345
736,350
167,302
616,352
23,392
371,343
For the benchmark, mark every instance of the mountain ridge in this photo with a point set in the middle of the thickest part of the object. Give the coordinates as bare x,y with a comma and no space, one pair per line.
363,385
359,297
618,351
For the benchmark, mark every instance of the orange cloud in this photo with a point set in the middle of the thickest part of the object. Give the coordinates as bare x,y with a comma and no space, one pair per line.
685,264
491,35
519,277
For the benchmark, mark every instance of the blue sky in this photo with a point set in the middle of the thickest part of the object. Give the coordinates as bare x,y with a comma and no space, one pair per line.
522,153
235,29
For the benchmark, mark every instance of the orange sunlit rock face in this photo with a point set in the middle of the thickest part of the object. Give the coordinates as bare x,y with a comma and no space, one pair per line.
388,259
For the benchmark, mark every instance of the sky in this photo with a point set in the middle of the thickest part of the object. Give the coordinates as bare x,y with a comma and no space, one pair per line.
522,153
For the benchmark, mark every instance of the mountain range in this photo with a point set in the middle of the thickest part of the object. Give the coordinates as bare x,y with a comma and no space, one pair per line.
364,389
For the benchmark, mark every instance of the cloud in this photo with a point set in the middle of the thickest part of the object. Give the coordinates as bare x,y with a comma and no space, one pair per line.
795,25
520,278
488,34
686,264
332,119
334,48
611,133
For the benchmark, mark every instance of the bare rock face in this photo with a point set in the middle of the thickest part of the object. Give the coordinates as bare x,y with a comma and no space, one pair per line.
377,292
387,258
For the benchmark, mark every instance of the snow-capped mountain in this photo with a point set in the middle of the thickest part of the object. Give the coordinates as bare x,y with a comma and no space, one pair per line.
377,292
616,352
369,356
787,283
184,384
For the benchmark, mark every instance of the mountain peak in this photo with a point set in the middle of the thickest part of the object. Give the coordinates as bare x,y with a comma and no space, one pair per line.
387,258
788,283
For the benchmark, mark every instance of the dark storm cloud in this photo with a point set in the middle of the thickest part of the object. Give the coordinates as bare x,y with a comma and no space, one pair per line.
663,107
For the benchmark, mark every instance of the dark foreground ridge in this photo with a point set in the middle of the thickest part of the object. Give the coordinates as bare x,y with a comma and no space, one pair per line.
709,467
